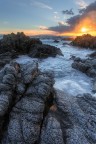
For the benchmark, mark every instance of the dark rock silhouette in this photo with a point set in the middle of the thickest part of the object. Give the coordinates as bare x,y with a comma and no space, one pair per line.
44,51
13,45
93,55
85,41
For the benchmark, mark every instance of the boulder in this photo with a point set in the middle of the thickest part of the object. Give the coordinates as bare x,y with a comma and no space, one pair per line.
92,55
87,66
85,41
20,44
44,51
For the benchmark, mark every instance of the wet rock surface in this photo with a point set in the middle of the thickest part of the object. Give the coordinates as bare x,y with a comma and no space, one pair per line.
85,41
71,120
24,91
44,51
87,66
12,45
33,112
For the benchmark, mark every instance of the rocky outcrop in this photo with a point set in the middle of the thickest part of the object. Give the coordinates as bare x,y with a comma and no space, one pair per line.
33,112
13,45
85,41
70,121
44,51
92,55
18,43
87,66
24,91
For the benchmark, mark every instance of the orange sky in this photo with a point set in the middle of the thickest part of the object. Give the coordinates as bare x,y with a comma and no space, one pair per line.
86,26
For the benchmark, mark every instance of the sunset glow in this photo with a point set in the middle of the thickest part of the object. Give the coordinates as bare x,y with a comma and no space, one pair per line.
84,30
48,18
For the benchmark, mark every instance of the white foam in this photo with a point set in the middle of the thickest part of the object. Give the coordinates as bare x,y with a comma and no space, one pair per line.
66,78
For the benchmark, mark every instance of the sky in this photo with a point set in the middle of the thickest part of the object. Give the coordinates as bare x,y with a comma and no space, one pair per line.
54,17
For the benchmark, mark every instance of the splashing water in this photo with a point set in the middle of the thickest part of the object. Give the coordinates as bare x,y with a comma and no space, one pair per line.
66,78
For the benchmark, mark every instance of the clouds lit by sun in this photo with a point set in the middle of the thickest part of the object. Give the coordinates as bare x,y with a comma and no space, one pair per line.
84,29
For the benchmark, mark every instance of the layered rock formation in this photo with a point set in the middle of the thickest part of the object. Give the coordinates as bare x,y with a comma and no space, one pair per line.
32,112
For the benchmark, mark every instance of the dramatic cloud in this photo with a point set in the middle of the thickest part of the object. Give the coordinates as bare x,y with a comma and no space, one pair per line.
82,4
86,18
41,5
68,12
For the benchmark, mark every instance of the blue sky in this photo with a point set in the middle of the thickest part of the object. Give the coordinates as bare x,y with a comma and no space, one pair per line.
36,15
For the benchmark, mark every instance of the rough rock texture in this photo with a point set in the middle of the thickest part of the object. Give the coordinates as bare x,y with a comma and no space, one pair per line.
93,55
13,45
32,112
85,41
18,43
44,51
24,91
87,66
71,120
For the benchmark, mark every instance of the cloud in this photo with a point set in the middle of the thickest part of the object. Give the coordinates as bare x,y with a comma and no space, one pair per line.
43,27
82,4
61,23
41,5
87,18
56,17
55,12
68,12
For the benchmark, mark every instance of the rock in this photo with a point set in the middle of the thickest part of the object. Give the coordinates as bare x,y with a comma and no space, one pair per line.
85,41
20,44
56,41
31,92
94,86
92,55
78,117
51,131
44,51
87,66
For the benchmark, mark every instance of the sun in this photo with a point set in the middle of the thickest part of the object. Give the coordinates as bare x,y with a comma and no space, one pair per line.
84,30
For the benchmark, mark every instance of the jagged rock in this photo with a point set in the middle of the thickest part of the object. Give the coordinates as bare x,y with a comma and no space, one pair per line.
13,45
44,51
32,90
31,111
85,41
17,42
87,66
92,55
56,41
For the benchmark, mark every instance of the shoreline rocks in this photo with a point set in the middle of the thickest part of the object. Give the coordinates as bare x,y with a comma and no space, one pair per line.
87,66
85,41
12,45
32,111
